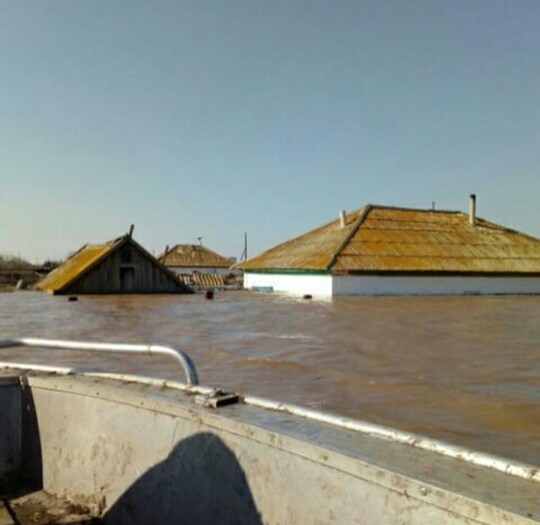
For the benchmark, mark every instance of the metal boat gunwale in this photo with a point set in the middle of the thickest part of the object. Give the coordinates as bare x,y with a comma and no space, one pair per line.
470,456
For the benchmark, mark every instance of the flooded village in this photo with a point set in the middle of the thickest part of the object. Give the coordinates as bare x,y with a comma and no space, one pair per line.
270,263
442,341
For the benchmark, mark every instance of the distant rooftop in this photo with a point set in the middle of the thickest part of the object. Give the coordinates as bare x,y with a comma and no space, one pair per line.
193,256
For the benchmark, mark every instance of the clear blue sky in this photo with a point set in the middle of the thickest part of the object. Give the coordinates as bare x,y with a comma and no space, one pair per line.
214,117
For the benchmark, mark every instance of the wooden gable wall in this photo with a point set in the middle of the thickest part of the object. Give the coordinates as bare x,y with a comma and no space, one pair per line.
126,270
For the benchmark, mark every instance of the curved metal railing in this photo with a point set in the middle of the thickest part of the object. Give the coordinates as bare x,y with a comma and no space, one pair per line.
183,358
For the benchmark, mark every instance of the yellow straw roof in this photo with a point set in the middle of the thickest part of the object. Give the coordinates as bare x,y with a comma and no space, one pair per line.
388,239
73,267
193,256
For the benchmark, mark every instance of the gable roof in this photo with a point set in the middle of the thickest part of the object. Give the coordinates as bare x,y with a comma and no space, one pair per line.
193,256
389,239
89,256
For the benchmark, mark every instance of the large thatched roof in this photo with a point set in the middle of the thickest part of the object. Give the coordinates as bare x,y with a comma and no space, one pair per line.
388,239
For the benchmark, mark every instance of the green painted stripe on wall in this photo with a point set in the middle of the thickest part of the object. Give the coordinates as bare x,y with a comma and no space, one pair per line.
288,271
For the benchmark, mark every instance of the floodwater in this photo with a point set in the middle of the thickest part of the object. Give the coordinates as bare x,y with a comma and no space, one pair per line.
462,369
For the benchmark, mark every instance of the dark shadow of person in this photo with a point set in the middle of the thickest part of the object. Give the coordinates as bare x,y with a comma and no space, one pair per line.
199,483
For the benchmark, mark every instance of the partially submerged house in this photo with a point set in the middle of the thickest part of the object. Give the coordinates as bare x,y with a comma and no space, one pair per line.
117,267
197,265
189,258
388,250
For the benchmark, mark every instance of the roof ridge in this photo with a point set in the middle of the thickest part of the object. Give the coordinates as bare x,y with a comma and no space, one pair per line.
297,237
485,223
404,208
357,223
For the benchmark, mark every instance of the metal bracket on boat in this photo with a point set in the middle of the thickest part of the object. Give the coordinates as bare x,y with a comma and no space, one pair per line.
184,359
217,398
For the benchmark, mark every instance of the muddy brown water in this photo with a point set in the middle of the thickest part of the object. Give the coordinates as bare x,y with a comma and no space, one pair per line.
462,369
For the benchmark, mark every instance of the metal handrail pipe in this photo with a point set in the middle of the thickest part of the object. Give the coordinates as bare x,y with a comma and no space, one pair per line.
180,356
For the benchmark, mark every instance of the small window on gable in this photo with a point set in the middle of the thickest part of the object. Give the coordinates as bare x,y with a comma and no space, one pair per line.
125,255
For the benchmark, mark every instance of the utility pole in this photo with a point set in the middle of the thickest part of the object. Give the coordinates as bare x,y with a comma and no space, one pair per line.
244,255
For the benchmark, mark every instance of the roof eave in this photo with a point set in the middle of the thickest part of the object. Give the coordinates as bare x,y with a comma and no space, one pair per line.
435,273
289,271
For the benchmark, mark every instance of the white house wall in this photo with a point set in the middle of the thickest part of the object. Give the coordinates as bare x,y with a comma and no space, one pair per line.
316,285
456,285
327,285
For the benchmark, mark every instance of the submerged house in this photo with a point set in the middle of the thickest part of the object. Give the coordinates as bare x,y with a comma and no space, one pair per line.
118,267
189,258
388,250
196,265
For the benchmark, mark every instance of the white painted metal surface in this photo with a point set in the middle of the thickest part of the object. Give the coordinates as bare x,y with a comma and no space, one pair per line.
513,468
283,464
256,461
